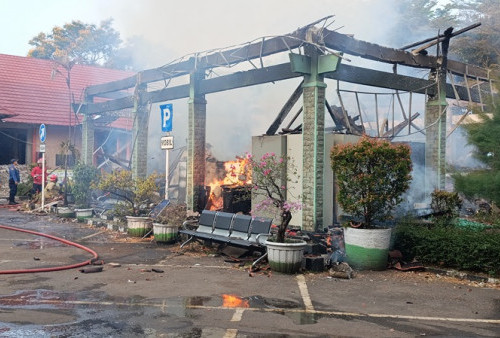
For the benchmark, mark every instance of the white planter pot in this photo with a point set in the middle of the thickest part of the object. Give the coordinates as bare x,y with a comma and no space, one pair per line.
367,249
65,212
165,232
138,226
285,257
82,214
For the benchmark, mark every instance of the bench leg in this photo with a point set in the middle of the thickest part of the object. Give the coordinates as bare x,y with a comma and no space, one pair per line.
186,242
259,259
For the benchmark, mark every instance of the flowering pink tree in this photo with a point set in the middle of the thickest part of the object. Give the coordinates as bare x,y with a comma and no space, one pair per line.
270,178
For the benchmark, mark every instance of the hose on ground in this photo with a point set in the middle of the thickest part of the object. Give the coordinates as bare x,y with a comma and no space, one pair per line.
55,268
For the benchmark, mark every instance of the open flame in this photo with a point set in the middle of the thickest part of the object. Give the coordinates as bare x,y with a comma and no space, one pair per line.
238,173
234,301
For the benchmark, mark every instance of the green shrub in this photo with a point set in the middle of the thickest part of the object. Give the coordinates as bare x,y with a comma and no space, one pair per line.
136,195
445,206
471,249
84,176
372,176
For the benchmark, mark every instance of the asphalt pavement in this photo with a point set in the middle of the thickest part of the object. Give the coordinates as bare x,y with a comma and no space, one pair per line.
146,289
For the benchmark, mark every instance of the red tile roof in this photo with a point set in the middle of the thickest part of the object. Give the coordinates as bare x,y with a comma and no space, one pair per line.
34,93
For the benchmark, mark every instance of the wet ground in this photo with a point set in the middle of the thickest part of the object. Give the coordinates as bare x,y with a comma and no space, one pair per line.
163,291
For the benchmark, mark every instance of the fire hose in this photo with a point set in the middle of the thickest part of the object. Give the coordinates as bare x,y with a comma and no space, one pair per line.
55,268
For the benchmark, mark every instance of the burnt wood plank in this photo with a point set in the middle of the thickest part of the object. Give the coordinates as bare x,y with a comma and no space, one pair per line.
376,78
285,110
118,104
166,94
247,78
376,52
98,90
279,72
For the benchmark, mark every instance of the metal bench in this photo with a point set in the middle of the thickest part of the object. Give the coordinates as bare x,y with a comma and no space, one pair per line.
231,229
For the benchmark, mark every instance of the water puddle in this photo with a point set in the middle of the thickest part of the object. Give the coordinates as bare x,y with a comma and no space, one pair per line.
78,309
39,244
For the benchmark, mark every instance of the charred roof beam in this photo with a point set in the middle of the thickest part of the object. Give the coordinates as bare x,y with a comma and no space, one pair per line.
279,72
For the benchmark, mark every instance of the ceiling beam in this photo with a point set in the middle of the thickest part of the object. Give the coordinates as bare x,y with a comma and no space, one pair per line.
367,50
352,74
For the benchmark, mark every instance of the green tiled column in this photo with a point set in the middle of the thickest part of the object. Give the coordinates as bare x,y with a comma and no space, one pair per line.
196,144
313,65
140,135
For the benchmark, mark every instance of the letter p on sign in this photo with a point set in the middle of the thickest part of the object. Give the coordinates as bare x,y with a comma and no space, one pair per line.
166,117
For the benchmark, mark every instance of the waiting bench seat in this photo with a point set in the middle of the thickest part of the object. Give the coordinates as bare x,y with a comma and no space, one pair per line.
231,229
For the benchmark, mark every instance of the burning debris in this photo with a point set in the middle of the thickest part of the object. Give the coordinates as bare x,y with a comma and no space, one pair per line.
229,187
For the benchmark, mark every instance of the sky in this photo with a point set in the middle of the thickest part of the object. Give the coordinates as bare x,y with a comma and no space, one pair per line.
173,29
183,27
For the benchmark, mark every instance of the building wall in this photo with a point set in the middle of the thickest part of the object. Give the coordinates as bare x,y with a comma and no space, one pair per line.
55,136
291,145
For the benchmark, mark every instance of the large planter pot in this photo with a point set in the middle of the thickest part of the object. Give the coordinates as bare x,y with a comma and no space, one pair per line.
138,226
285,257
83,214
65,212
367,249
165,233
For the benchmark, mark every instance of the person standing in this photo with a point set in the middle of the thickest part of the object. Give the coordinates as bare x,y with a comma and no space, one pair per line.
14,180
37,174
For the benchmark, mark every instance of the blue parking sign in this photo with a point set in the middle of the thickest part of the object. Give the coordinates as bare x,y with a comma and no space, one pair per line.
42,132
166,117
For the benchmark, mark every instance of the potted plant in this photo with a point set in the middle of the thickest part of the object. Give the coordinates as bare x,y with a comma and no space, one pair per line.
270,175
84,176
135,196
167,223
371,175
70,155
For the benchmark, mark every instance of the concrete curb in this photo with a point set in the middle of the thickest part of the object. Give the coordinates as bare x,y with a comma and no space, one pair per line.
462,275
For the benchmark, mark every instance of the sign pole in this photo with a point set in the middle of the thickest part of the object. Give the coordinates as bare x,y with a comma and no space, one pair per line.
167,143
43,180
166,173
42,132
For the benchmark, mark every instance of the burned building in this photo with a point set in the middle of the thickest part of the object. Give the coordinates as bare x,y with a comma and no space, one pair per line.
319,61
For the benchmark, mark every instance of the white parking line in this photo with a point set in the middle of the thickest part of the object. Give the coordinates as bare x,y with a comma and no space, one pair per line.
238,314
304,292
231,333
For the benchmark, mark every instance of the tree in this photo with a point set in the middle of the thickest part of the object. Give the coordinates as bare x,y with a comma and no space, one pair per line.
77,43
480,46
136,194
485,136
269,178
372,175
425,18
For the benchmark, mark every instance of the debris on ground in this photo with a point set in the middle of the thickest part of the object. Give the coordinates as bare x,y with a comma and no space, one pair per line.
341,270
91,269
396,261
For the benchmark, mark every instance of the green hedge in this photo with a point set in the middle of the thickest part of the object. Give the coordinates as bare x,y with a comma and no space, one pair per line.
462,248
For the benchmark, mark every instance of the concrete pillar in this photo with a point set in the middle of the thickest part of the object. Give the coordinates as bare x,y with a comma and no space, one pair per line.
196,145
435,143
313,147
435,124
88,134
313,65
140,136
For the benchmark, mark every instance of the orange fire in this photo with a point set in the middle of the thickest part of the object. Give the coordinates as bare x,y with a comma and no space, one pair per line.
234,301
237,173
